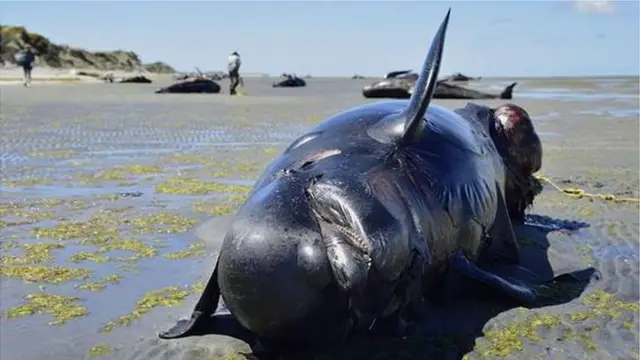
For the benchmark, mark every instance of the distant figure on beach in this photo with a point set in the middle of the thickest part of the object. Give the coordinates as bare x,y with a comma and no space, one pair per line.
234,72
25,58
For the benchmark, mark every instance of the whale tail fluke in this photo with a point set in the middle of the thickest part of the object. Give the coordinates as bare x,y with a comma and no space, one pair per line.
507,93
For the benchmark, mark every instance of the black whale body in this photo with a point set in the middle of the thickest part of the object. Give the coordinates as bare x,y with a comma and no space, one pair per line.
292,81
401,86
459,77
396,73
191,87
139,79
350,226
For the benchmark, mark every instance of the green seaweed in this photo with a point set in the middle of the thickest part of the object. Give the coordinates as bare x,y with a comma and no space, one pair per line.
99,350
161,222
198,287
94,231
586,212
168,296
33,254
26,182
502,342
181,158
62,308
54,153
90,256
602,305
44,274
194,250
100,284
109,197
138,247
219,208
119,173
190,186
588,343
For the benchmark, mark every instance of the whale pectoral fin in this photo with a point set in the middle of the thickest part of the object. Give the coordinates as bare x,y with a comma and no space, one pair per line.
514,288
504,245
202,312
184,327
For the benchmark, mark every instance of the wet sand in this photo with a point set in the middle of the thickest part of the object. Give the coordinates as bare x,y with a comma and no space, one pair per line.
107,182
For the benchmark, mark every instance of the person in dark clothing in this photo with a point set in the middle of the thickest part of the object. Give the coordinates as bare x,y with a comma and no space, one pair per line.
234,72
25,59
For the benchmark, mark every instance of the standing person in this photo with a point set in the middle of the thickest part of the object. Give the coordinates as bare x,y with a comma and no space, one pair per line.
234,72
25,58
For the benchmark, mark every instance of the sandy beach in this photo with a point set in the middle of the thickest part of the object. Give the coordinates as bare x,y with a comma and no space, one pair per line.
103,186
53,76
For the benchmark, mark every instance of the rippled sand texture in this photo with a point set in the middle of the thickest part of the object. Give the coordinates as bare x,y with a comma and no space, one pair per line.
103,184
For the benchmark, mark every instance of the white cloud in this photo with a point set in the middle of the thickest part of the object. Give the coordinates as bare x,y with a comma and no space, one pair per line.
594,6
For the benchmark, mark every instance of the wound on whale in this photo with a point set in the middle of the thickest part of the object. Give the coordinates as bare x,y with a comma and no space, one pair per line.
349,228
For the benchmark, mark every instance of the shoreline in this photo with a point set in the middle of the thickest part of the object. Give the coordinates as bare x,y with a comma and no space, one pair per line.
46,75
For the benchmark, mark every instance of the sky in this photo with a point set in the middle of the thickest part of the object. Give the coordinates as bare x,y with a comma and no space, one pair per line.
340,38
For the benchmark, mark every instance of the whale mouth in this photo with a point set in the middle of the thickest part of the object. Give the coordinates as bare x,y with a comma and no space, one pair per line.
329,228
346,245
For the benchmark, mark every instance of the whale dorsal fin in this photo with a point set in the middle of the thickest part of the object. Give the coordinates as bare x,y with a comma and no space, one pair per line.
425,87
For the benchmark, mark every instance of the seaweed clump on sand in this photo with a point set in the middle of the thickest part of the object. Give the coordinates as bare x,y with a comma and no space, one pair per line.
27,182
195,250
119,173
99,350
602,306
503,341
97,230
62,308
33,254
246,169
190,186
45,274
104,232
24,214
168,296
54,153
219,208
29,267
161,222
100,284
137,247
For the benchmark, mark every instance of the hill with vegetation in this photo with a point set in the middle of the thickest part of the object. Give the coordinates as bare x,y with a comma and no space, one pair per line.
48,54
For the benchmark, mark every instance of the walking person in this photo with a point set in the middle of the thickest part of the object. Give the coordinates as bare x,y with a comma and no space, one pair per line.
25,58
234,72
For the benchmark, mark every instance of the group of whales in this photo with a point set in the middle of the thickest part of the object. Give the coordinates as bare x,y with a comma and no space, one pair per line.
395,85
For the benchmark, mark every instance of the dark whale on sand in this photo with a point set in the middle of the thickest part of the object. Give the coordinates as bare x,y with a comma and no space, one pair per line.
110,78
139,79
396,73
401,86
192,86
352,225
459,77
290,81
